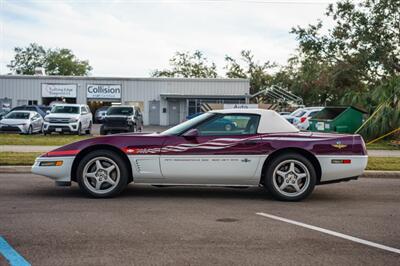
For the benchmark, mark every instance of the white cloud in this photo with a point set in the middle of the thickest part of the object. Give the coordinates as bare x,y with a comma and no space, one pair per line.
131,38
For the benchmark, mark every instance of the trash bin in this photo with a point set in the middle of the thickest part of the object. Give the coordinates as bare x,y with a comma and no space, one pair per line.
338,119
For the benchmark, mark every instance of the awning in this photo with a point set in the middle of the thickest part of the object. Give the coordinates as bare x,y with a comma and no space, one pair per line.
192,96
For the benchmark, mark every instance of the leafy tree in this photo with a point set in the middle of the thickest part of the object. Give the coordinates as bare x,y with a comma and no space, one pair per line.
188,65
64,63
55,61
367,35
27,59
253,70
359,56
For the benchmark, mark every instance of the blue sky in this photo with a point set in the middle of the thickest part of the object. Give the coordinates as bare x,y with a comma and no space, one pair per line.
132,38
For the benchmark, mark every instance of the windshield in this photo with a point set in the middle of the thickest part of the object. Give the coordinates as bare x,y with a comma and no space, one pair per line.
120,111
27,108
298,113
186,125
45,108
65,109
17,115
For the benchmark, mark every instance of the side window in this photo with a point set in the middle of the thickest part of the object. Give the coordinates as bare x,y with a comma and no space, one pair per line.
83,110
232,124
312,114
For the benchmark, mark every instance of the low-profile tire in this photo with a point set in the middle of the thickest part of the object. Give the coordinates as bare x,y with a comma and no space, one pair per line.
290,177
102,131
102,174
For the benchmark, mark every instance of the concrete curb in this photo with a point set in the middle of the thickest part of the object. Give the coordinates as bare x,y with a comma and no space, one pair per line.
15,169
367,174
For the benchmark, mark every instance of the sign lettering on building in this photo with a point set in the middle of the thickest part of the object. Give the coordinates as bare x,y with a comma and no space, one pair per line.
59,90
95,91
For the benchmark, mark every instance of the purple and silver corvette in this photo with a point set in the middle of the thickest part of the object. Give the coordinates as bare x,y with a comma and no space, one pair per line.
219,148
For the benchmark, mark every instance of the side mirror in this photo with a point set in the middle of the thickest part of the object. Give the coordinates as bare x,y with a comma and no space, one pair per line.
193,133
47,112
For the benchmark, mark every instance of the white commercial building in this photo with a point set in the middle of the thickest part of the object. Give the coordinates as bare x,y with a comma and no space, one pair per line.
164,101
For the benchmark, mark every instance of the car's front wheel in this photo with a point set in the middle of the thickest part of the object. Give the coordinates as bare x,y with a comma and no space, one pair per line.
290,177
30,130
102,174
89,129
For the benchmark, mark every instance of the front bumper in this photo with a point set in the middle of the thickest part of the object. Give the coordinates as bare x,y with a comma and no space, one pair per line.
57,173
14,128
126,128
57,127
336,171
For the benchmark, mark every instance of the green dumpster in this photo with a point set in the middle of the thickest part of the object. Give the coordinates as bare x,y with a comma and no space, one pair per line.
338,119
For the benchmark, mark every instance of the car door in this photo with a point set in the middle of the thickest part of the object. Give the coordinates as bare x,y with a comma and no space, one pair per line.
225,150
84,117
35,122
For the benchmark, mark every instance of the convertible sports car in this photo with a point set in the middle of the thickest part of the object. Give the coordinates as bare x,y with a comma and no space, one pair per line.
263,149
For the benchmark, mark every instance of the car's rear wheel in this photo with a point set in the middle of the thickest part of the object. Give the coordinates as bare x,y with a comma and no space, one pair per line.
290,177
102,174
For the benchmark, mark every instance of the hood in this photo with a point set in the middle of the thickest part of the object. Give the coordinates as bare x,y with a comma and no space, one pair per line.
118,142
14,121
51,115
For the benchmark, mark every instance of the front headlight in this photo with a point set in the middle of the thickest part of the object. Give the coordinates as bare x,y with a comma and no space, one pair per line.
46,119
73,120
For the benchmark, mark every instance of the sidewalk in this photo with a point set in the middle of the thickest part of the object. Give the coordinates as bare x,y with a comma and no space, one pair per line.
26,148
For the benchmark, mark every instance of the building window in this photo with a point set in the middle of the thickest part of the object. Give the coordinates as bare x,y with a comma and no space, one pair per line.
194,105
27,102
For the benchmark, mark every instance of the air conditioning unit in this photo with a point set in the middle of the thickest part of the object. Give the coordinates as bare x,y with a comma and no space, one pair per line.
40,71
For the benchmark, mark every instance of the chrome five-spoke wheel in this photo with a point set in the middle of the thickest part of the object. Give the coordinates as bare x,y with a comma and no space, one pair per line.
290,177
101,175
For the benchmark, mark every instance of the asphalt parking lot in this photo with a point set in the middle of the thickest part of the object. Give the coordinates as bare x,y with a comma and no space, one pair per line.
198,226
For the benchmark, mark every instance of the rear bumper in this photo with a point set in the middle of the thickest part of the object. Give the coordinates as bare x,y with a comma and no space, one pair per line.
57,173
331,171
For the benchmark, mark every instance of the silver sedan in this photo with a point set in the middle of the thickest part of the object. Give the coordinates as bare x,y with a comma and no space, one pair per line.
26,122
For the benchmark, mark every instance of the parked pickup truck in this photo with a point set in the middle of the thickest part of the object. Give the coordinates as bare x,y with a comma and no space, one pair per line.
122,119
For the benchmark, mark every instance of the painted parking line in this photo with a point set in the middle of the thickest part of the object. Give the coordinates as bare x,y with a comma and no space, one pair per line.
332,233
11,255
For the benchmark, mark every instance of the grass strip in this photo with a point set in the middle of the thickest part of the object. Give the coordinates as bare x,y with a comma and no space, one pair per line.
40,140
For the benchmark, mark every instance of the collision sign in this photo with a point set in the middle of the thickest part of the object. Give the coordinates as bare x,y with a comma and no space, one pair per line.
95,91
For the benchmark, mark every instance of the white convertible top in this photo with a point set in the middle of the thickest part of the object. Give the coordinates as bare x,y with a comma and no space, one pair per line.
270,122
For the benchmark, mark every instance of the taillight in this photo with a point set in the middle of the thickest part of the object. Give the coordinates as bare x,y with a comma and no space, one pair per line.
303,119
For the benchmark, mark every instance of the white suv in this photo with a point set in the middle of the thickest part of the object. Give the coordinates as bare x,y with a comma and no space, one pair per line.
74,118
